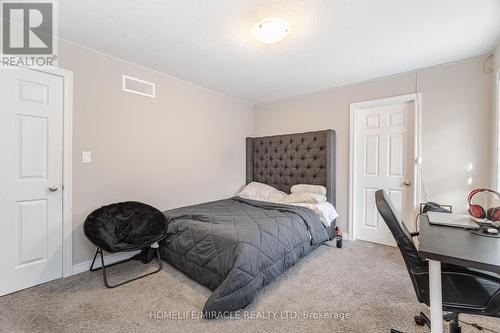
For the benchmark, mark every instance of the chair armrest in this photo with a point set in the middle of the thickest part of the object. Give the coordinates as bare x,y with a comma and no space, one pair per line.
452,269
447,269
420,271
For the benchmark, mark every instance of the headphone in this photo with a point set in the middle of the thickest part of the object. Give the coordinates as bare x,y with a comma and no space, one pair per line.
478,212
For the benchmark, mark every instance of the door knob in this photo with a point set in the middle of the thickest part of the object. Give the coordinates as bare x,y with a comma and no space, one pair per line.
53,188
407,183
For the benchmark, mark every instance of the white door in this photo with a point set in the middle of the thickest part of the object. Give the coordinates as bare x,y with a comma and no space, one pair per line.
384,159
31,116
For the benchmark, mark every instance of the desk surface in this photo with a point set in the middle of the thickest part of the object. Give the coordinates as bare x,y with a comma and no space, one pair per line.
458,246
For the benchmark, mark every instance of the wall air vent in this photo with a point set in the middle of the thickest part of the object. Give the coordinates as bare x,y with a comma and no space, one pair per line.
136,86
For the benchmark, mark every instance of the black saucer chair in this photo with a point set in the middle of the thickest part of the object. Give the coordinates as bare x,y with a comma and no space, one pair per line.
463,290
125,227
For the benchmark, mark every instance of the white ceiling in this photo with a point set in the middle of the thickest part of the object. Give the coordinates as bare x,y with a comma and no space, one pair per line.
331,43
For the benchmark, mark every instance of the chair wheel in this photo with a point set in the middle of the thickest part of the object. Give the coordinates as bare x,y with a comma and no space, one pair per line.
419,320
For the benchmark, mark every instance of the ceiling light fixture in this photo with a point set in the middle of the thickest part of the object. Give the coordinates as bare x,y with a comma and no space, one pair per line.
271,30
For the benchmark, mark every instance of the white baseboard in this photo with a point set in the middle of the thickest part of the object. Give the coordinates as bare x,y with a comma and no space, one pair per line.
108,259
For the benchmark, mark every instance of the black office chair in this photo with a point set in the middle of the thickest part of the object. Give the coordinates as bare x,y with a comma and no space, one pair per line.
463,290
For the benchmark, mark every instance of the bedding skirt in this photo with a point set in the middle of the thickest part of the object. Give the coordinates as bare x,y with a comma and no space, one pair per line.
237,246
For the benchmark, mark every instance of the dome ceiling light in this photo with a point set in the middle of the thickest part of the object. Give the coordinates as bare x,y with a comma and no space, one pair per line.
271,30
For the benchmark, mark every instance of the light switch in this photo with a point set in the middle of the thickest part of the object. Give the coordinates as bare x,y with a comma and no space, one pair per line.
86,157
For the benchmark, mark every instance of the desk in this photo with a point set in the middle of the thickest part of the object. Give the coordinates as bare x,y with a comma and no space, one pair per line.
453,246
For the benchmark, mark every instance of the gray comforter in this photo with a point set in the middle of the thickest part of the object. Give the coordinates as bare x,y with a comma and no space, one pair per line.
237,246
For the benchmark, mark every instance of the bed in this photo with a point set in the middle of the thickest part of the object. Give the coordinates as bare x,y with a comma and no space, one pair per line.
237,246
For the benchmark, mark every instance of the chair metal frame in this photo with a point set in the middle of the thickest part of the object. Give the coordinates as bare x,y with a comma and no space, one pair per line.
103,267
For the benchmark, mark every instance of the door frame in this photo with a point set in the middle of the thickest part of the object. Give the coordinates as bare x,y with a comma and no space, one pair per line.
353,163
67,167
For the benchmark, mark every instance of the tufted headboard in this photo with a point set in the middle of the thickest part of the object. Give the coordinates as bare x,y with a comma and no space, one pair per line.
285,160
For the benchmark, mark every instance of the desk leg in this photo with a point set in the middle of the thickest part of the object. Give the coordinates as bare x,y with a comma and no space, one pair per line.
436,299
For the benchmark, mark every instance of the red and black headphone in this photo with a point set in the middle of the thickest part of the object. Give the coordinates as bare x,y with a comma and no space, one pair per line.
478,212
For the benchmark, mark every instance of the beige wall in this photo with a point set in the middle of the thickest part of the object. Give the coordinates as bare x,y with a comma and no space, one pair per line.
457,112
185,146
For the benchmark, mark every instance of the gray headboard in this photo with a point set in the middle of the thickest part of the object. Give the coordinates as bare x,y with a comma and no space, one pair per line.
285,160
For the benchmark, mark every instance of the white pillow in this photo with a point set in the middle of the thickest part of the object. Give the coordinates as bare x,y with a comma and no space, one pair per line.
308,188
262,192
304,197
326,211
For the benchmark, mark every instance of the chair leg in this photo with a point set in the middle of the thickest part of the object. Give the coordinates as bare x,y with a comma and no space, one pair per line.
92,269
103,267
422,320
455,325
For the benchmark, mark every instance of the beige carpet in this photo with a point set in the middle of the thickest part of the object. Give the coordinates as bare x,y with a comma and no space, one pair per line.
363,288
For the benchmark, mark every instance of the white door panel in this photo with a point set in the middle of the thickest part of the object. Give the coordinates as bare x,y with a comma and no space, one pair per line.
31,115
384,158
